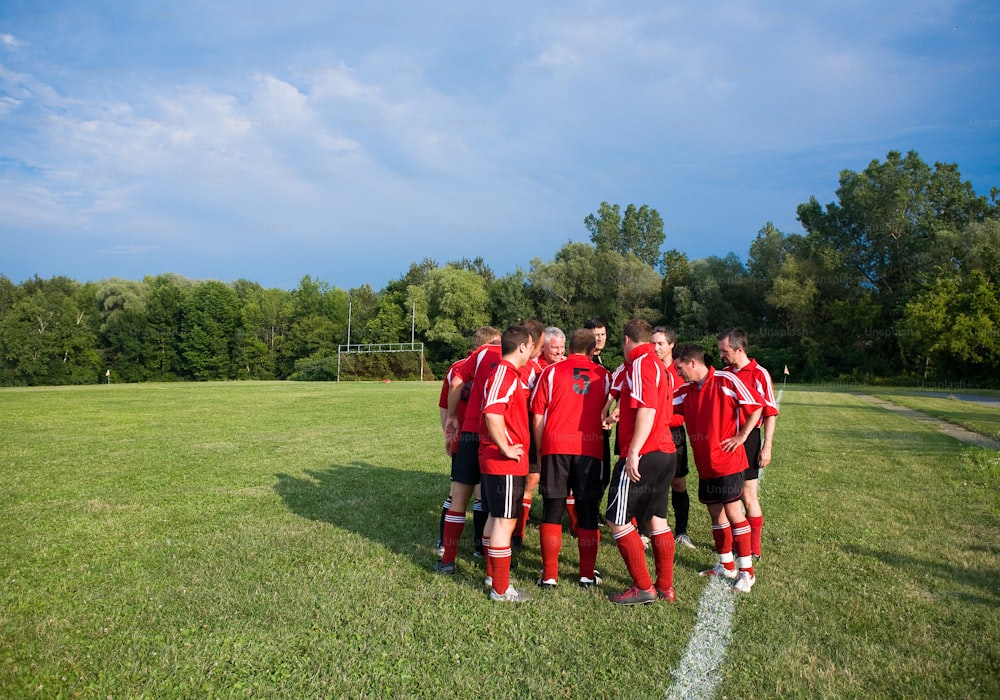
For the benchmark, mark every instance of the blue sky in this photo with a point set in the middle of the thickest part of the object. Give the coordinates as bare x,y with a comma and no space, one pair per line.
224,140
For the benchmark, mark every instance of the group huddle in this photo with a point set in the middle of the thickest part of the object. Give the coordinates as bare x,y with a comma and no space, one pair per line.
528,410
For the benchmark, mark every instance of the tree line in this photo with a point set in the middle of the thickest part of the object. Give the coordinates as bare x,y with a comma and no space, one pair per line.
896,279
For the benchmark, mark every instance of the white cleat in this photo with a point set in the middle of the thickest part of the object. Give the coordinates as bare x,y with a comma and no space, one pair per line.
744,582
720,571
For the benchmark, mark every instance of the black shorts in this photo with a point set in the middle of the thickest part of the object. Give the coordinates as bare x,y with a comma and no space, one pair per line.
681,443
534,464
648,497
564,473
502,495
752,447
465,461
721,489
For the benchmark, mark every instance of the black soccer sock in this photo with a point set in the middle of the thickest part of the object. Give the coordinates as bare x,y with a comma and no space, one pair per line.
682,504
479,517
444,509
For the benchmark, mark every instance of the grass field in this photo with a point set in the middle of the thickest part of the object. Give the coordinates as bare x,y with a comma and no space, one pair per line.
276,540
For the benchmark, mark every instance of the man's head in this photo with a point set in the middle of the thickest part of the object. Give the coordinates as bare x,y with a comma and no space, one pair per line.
582,342
664,339
637,331
555,345
690,363
733,346
486,335
537,331
600,332
516,345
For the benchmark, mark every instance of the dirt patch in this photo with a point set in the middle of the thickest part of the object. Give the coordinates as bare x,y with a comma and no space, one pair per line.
949,429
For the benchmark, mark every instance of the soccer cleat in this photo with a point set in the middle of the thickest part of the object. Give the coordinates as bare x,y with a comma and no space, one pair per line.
666,594
478,554
719,570
744,582
634,596
586,583
440,548
488,582
511,596
446,569
547,583
685,541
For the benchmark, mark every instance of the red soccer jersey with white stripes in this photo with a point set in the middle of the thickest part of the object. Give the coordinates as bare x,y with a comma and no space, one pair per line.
712,414
504,395
757,378
474,371
570,396
647,385
677,419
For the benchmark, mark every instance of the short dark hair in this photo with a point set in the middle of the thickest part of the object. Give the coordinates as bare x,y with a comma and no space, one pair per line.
667,331
593,323
689,352
536,328
737,338
638,330
511,338
582,340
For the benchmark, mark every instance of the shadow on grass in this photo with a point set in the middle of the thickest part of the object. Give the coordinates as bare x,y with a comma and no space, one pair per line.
981,579
396,508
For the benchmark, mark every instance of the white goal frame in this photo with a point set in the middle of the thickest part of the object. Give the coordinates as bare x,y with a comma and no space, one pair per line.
373,348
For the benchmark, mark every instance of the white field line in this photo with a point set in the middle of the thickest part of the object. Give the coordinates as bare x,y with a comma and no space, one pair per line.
697,673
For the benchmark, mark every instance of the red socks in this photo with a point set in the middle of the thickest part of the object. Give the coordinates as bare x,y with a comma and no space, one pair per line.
741,541
756,524
634,554
550,539
723,536
663,556
587,541
454,523
522,519
500,565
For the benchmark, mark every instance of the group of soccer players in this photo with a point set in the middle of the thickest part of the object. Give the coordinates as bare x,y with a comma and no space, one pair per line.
528,408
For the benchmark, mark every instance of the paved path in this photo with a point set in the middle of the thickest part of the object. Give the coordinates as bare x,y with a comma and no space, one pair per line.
949,429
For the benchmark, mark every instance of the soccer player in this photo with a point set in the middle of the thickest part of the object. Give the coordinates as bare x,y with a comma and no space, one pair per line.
566,413
469,377
554,348
733,350
720,411
664,340
601,338
504,435
530,373
483,336
641,480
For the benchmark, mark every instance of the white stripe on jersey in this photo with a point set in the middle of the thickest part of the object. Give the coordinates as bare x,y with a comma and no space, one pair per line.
742,394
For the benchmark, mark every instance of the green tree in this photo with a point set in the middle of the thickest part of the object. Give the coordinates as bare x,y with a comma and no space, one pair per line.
639,231
209,323
165,300
124,332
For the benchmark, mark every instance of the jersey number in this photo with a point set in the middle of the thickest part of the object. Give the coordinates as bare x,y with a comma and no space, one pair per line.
581,380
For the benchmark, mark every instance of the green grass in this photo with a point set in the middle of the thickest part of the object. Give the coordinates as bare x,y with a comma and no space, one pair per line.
977,417
276,539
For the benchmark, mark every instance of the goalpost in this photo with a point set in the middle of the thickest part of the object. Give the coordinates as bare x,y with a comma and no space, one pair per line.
355,355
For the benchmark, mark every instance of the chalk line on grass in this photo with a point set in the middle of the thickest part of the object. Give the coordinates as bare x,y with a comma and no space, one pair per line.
697,675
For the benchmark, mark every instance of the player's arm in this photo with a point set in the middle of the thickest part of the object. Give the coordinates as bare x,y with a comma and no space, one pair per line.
766,438
451,426
537,430
743,433
497,428
645,419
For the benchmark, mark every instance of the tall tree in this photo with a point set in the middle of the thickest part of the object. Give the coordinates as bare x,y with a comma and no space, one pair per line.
639,231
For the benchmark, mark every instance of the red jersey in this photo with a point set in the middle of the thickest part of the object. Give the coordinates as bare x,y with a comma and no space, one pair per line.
504,395
617,379
712,412
570,396
530,373
757,378
677,419
463,402
647,385
474,371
